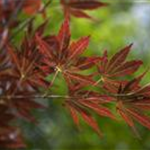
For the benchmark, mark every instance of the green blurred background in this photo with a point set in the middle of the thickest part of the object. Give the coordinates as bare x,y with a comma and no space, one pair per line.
121,23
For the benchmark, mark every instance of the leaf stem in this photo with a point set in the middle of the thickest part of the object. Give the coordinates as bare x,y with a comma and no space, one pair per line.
93,85
51,83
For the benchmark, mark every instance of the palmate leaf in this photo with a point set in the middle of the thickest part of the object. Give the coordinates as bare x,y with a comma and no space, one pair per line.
133,101
83,103
76,8
75,110
61,56
117,66
24,65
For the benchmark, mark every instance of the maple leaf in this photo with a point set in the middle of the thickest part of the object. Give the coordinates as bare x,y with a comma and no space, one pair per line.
19,83
62,57
117,67
24,65
132,102
82,102
76,8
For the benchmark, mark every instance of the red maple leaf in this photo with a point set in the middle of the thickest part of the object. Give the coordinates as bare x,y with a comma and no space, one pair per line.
77,8
116,67
24,65
133,101
60,56
20,80
83,103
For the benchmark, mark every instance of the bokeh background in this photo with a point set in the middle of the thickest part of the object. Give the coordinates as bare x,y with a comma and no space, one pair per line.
121,23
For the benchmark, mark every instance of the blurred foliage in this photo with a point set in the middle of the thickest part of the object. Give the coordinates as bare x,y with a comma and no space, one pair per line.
121,23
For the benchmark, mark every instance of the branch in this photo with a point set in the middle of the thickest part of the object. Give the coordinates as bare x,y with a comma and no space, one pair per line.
59,96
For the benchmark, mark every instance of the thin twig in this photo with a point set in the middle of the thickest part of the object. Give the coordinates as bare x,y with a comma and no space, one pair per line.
93,85
59,96
36,96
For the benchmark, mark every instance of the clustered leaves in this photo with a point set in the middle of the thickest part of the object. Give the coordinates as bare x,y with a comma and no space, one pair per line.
24,69
77,8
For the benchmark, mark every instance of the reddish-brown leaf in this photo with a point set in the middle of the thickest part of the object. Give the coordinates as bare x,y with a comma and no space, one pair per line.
132,102
127,68
64,35
117,66
74,114
91,121
77,7
102,111
118,58
59,56
142,119
77,48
